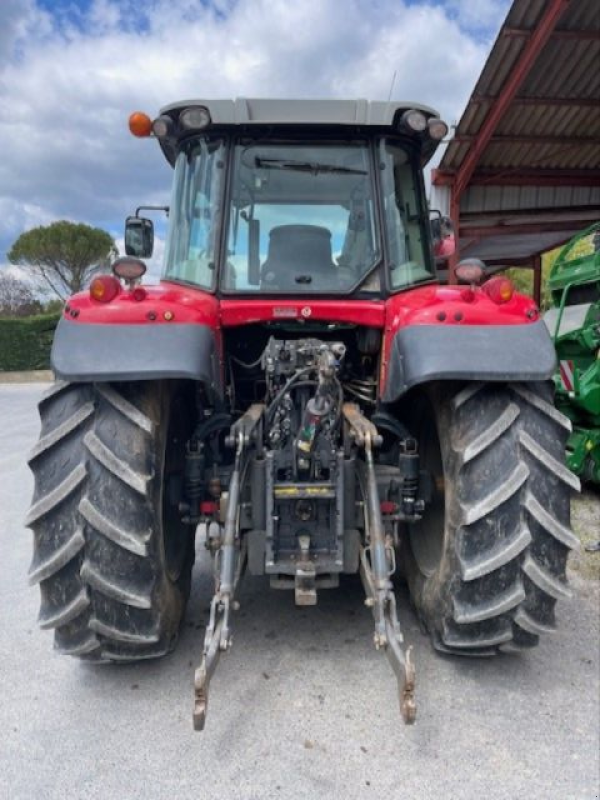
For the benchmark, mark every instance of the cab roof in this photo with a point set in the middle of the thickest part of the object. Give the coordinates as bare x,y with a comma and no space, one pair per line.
255,111
245,112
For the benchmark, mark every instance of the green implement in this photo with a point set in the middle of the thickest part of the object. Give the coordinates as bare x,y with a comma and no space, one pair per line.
574,323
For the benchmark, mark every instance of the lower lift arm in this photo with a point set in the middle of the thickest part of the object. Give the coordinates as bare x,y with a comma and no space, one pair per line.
228,569
378,564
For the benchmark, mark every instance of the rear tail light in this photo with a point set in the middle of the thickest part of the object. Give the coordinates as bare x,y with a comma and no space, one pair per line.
139,294
499,289
104,288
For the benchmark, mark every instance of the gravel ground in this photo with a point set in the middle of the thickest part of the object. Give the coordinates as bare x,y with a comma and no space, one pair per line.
585,516
302,707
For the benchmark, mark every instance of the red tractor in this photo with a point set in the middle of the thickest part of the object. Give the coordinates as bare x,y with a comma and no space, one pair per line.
301,390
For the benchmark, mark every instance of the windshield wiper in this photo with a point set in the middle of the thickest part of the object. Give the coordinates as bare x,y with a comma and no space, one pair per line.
305,166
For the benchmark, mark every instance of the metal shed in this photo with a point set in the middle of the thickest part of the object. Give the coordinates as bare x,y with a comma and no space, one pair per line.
522,172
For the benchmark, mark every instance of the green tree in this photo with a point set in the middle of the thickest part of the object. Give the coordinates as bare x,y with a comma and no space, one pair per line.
63,256
522,277
17,299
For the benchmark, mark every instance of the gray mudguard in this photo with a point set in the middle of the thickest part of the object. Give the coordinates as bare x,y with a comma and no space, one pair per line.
86,353
424,353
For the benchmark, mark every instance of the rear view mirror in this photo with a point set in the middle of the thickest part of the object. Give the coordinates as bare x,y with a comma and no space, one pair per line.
443,236
139,237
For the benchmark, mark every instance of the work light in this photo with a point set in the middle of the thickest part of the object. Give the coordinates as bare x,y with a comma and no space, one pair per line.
195,117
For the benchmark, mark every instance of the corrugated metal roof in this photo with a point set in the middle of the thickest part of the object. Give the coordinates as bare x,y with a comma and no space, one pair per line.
517,248
509,198
526,152
559,98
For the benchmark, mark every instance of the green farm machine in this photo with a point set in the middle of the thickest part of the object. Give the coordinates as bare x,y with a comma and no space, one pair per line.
574,323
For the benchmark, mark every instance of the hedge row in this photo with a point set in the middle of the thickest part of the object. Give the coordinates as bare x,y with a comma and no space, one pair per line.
25,343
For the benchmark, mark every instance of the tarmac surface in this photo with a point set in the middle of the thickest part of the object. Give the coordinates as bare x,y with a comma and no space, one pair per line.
302,707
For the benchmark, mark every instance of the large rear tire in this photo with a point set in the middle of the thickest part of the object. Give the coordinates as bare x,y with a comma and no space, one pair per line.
111,556
487,563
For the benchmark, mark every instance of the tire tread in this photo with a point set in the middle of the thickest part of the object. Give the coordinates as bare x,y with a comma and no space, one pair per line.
508,534
104,589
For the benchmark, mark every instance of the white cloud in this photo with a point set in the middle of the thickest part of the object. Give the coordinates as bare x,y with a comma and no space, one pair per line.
18,215
482,15
20,274
69,82
438,76
18,20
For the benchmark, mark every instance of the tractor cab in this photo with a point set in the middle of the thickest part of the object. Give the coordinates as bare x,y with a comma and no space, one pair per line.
265,204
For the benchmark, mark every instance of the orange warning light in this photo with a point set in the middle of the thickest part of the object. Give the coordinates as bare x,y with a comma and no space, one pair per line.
140,124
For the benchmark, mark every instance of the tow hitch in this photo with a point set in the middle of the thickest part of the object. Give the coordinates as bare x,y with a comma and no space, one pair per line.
377,564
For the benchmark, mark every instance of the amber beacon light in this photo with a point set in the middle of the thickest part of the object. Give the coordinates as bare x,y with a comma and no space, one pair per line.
140,124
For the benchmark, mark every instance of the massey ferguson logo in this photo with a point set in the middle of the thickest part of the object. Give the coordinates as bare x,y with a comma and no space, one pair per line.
284,312
287,312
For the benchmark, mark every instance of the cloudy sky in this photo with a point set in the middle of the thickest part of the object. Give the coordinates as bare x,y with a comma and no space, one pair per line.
71,72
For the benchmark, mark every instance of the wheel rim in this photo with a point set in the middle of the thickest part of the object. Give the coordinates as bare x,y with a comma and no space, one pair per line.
427,535
176,534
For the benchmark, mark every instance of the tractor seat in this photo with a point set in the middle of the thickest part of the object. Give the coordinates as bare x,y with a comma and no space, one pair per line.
299,255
